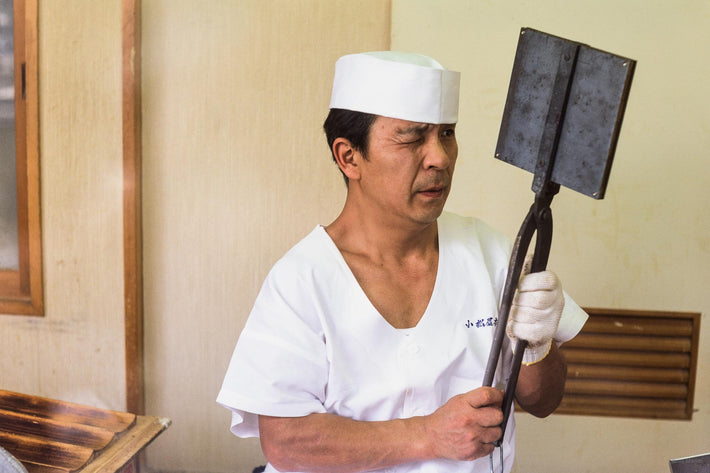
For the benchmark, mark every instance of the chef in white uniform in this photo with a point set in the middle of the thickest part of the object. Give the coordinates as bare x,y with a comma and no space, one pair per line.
366,346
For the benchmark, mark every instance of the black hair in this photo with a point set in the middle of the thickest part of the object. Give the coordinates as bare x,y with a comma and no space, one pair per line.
351,125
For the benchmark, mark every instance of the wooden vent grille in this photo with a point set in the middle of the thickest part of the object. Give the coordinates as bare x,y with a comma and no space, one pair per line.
632,364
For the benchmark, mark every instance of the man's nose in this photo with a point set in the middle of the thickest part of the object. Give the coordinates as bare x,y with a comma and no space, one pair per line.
438,155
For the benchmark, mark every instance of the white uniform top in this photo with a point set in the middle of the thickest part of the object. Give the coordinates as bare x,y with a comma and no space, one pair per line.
314,343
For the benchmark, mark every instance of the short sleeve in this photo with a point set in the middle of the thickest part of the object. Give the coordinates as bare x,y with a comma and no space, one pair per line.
572,320
279,366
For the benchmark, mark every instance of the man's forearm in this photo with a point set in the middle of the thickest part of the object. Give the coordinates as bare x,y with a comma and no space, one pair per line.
541,385
462,429
333,444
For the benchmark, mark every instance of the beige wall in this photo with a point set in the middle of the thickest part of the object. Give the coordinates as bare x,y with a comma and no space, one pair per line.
647,244
236,169
75,352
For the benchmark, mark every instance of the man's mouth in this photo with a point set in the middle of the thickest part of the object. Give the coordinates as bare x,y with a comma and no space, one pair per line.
433,191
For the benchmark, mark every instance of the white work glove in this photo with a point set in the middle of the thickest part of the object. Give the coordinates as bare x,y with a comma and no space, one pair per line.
535,313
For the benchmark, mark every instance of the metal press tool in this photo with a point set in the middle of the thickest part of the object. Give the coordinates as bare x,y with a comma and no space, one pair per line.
561,122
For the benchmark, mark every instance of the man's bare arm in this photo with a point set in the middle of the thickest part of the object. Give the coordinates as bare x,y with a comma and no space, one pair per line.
463,429
541,385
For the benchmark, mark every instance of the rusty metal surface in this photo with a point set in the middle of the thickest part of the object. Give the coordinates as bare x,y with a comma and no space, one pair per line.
564,110
695,464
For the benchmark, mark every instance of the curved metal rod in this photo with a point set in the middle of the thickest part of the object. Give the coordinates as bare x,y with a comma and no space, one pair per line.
538,219
515,267
539,263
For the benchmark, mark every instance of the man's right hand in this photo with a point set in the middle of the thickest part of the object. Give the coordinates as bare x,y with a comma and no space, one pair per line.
467,426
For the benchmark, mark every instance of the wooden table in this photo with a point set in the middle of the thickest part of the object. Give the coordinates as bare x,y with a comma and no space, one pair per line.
50,436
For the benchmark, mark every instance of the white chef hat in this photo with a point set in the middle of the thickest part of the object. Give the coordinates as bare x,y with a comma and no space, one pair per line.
394,84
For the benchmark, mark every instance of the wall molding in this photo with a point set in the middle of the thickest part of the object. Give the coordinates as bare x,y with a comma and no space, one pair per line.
132,214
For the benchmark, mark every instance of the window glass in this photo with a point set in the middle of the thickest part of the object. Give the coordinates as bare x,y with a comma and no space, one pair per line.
9,253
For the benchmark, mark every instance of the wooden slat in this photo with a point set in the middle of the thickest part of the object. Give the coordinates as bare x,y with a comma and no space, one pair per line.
625,373
609,388
639,326
627,407
623,402
87,436
68,412
631,342
595,312
63,456
34,468
625,358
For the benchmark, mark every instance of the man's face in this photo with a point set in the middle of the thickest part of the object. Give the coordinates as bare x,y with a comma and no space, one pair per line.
408,168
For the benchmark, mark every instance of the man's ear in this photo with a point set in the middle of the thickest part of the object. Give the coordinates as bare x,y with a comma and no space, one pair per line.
347,157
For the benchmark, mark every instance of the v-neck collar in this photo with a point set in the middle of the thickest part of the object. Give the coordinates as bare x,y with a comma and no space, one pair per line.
423,320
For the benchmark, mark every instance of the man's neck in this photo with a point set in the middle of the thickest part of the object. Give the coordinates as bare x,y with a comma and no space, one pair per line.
382,239
396,265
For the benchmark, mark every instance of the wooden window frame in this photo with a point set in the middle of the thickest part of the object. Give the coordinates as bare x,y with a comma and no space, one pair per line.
21,290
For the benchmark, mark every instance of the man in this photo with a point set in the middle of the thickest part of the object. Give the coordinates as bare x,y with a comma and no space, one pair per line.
366,346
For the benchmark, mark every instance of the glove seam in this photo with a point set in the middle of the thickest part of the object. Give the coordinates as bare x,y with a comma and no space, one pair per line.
547,352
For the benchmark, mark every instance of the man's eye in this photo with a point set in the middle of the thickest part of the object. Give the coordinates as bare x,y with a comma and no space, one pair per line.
415,141
449,133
